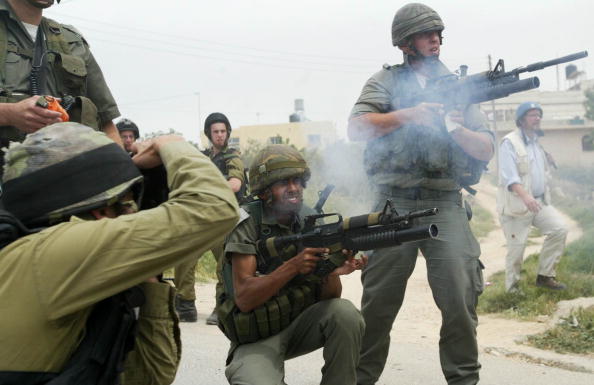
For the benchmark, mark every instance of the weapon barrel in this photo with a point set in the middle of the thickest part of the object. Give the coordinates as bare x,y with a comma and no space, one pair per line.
389,238
553,62
502,90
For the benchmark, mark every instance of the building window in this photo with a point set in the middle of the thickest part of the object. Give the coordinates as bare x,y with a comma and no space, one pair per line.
588,142
275,139
233,141
314,140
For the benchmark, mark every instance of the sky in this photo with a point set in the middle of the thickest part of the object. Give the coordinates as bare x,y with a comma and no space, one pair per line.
171,63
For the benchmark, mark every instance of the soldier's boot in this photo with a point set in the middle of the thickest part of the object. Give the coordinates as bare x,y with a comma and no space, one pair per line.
186,310
549,283
213,318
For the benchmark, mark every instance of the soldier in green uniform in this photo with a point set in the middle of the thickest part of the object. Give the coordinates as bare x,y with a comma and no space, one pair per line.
217,129
129,133
39,56
88,252
275,309
421,158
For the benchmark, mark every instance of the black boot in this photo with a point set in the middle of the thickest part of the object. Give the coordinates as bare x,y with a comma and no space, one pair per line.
186,310
213,319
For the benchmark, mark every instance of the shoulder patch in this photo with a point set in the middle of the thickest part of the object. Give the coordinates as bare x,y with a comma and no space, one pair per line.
75,31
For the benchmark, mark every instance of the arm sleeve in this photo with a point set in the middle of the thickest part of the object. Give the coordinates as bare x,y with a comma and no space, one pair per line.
92,260
99,93
375,96
235,168
508,171
242,239
157,351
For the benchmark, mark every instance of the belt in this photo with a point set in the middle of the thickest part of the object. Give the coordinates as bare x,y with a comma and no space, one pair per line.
420,193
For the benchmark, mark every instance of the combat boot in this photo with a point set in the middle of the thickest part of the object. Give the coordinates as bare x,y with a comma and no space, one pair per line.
213,318
186,310
549,283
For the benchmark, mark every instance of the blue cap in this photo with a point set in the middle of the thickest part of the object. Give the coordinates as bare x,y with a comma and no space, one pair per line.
525,107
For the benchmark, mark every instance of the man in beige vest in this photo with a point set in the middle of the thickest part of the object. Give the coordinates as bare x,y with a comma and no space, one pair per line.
524,200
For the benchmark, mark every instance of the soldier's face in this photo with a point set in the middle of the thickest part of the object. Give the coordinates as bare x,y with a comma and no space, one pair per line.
287,194
531,120
426,44
41,3
127,139
218,134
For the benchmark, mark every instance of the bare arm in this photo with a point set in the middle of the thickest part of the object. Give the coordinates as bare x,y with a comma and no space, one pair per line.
112,132
373,125
235,184
252,291
476,144
532,204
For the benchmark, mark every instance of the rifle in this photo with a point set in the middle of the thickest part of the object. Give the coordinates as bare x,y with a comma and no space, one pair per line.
460,90
375,230
323,197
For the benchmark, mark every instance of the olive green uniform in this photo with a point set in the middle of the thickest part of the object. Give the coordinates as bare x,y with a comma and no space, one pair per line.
334,325
52,279
77,73
418,168
231,165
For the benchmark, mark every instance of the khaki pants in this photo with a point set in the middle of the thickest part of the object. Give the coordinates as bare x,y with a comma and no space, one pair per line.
334,325
455,277
516,230
185,274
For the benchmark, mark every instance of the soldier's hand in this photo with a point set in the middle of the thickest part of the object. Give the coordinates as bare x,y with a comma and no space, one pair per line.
453,120
306,260
147,152
425,114
351,264
29,117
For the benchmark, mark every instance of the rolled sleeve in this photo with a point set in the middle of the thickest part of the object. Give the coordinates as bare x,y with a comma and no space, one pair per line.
375,96
235,169
242,239
508,171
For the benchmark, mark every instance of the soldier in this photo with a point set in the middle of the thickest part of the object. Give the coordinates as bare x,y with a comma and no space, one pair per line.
218,130
295,311
419,161
128,133
61,285
42,57
524,200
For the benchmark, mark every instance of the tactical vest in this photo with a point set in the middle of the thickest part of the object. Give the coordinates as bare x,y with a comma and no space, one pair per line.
279,311
419,156
508,202
220,160
110,333
69,70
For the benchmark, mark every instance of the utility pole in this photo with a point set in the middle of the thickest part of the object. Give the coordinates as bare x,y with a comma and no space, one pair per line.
494,126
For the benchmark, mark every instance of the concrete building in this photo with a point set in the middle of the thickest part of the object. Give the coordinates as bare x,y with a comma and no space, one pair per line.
299,131
568,133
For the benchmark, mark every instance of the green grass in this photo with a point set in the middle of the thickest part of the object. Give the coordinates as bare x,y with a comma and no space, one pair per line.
206,270
532,300
482,221
574,335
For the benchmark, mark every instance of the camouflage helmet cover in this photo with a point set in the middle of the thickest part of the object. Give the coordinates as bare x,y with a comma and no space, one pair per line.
56,144
414,18
274,163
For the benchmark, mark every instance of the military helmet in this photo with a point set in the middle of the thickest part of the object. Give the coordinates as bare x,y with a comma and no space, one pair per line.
216,117
274,163
128,125
64,169
524,108
414,18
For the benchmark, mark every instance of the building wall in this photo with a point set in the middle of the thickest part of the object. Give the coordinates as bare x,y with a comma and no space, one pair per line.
301,134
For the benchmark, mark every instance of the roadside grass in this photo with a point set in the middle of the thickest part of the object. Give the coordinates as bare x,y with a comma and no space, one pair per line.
482,221
532,301
206,270
574,335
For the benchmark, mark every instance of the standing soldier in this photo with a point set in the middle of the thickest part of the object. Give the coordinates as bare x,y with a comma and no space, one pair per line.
524,200
274,308
128,133
40,56
218,130
419,161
